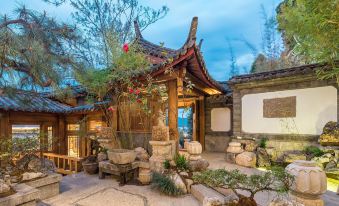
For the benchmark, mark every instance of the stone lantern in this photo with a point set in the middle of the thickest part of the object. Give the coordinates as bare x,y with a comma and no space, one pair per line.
309,182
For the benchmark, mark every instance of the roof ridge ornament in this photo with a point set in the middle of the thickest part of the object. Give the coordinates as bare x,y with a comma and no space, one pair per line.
200,43
192,35
137,31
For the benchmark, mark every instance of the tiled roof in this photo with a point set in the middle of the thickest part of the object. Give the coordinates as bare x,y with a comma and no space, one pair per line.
20,100
26,101
293,71
88,107
168,56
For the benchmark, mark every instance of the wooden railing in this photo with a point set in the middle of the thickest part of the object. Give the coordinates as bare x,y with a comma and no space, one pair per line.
65,164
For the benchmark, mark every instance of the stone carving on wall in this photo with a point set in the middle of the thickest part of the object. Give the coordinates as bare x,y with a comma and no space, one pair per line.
280,107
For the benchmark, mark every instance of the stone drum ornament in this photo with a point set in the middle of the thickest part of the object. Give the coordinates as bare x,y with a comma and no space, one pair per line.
309,182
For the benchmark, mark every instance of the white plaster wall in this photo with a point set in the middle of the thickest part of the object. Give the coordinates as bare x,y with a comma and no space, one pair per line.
315,107
221,119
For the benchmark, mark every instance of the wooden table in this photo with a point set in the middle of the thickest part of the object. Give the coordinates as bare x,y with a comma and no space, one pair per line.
106,167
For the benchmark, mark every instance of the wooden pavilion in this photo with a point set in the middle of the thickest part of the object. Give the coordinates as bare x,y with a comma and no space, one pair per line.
62,120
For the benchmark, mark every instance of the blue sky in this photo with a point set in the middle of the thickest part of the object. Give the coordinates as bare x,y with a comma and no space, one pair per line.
219,20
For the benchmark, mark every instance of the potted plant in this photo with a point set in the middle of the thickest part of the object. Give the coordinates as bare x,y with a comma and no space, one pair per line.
90,164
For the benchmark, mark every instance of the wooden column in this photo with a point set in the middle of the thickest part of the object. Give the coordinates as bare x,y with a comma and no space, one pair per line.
173,110
61,138
202,121
4,125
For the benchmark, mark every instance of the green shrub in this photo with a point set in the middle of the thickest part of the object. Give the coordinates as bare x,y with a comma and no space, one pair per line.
276,180
165,185
314,151
180,162
167,164
263,142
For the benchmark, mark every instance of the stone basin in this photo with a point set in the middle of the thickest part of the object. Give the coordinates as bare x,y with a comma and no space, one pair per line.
121,156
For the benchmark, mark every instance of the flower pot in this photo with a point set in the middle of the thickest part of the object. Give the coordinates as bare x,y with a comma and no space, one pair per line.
90,168
121,156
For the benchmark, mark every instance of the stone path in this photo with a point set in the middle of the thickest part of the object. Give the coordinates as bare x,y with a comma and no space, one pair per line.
88,190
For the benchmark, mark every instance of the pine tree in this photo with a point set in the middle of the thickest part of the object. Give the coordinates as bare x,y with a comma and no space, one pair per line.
34,50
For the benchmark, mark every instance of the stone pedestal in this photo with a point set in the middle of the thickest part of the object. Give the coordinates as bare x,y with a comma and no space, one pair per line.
234,147
25,196
194,148
160,133
145,173
48,186
309,182
186,141
162,150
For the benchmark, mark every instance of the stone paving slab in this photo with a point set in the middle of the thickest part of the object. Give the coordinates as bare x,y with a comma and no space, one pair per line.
86,190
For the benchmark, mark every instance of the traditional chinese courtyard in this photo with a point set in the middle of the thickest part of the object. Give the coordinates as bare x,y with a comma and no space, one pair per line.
88,190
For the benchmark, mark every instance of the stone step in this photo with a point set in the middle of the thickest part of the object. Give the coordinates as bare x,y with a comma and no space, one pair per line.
206,195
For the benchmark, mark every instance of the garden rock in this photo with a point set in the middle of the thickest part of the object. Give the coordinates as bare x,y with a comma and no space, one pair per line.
179,183
32,175
250,147
331,165
189,183
212,201
330,135
333,173
246,159
22,163
284,202
142,154
323,160
102,157
198,165
230,158
263,158
291,157
41,165
4,188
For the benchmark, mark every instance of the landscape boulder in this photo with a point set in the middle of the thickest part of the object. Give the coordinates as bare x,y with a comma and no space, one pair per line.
198,165
263,159
142,154
32,175
284,202
246,159
179,183
4,188
330,135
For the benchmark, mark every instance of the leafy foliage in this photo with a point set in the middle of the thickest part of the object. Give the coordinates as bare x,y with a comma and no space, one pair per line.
181,162
263,142
310,28
34,50
167,164
275,180
98,20
165,185
313,151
